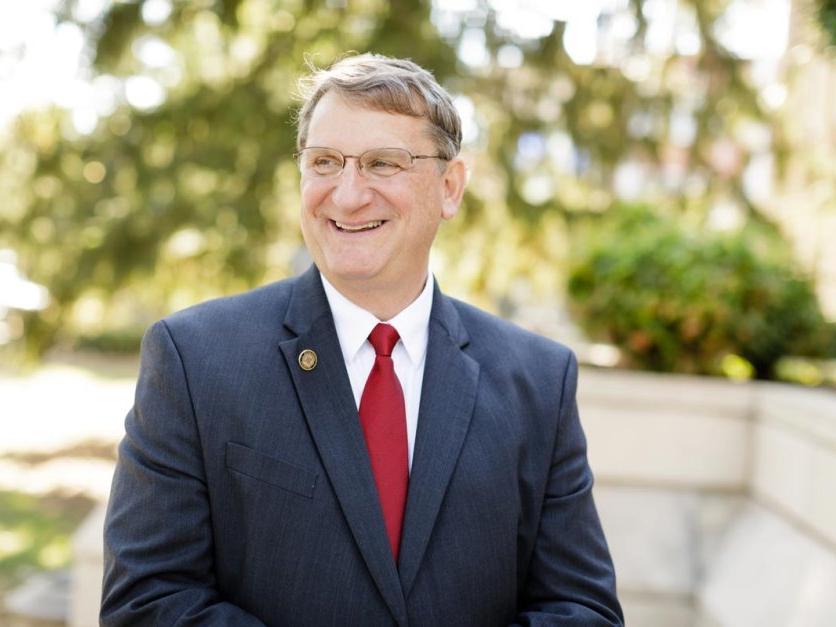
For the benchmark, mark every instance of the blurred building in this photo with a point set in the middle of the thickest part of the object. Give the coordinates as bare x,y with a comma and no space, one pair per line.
805,202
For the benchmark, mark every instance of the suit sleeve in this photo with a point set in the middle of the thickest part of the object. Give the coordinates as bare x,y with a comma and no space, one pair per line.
571,580
158,530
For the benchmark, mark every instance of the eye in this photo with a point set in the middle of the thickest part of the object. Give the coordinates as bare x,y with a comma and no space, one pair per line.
325,161
322,161
386,161
382,166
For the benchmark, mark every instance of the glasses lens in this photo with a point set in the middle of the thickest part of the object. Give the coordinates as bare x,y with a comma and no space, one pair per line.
385,161
321,160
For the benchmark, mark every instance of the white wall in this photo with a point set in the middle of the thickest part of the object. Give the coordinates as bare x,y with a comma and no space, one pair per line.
718,498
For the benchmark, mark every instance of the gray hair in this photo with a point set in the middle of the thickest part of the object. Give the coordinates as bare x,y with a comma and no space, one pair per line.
385,84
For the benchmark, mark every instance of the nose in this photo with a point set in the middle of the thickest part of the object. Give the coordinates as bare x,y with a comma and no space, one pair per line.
351,189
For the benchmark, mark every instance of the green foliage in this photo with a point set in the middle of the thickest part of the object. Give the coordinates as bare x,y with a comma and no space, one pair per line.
807,371
158,208
679,298
35,532
827,18
122,341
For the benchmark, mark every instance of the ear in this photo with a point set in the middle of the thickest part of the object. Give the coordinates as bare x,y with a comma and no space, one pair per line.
454,181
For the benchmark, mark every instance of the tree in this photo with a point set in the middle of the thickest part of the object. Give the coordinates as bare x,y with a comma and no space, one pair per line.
165,203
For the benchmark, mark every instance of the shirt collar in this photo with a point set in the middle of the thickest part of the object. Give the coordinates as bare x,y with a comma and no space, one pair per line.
354,324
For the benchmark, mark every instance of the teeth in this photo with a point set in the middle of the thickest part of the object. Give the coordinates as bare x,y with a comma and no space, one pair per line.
359,227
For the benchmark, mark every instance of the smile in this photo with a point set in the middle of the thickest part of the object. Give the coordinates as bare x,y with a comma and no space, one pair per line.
354,228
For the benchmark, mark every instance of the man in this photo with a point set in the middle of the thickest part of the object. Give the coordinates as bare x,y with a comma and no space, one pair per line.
291,460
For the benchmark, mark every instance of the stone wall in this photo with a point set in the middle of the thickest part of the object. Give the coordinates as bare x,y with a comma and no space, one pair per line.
718,498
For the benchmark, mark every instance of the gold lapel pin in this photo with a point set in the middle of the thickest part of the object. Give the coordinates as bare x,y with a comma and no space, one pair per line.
307,359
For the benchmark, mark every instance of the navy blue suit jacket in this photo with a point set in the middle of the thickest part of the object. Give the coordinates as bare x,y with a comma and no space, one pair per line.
243,493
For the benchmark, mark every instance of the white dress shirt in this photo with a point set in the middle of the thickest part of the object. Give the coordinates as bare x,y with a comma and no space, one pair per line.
354,324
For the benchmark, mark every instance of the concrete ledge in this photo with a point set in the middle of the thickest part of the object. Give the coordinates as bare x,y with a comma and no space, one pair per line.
678,462
651,537
652,610
795,455
682,431
811,413
40,601
768,573
642,390
797,474
88,570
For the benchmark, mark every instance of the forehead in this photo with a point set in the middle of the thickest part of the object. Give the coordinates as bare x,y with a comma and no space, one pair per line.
349,126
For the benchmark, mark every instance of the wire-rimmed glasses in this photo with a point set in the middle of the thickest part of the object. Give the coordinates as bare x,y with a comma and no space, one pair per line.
377,162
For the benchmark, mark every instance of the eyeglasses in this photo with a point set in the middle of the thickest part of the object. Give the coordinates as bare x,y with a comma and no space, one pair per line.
375,163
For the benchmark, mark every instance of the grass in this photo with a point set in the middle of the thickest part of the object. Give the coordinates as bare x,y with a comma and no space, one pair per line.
36,531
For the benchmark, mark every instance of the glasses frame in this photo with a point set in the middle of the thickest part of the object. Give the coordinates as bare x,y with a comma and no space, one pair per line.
298,154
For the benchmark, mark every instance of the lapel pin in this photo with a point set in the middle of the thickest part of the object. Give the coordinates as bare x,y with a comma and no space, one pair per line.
307,359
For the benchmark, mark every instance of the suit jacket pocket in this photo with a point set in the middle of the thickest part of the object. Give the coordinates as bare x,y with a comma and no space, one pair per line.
246,461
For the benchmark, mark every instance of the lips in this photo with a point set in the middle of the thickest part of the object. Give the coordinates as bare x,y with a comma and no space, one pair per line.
356,228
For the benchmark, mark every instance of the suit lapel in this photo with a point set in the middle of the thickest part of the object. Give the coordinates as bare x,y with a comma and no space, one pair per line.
447,399
328,405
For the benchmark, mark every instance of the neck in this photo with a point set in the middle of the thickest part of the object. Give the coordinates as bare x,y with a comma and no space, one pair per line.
384,302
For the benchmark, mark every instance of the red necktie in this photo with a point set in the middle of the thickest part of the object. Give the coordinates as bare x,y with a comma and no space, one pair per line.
383,418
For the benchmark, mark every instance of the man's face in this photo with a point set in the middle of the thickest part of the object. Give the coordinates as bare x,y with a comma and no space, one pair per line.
408,205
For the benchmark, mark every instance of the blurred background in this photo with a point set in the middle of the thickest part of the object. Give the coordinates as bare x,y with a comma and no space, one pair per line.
653,183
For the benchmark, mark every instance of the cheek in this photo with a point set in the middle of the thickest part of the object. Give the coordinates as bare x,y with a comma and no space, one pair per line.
426,208
312,197
419,202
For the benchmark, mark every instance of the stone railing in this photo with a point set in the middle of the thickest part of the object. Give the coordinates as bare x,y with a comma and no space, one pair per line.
718,499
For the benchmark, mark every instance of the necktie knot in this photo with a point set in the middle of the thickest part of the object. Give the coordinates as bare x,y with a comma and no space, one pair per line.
383,338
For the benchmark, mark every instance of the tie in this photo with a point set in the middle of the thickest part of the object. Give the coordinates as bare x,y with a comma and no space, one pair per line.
383,418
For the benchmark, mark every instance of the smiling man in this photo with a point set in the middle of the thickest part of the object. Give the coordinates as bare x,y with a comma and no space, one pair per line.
353,447
370,226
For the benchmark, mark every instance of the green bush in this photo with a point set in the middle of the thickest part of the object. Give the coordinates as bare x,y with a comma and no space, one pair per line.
683,299
119,341
827,18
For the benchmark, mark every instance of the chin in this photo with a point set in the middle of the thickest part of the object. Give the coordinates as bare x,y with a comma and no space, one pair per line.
354,268
352,273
